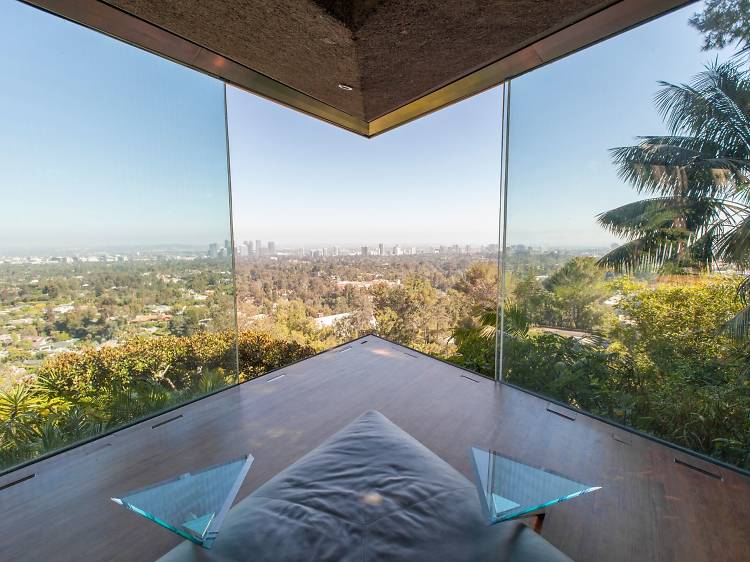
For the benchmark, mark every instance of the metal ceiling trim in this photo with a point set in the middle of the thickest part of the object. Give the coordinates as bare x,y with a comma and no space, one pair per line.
604,24
607,22
121,25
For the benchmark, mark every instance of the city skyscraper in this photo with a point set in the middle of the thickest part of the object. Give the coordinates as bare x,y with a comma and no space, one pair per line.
381,250
271,248
213,250
258,248
365,251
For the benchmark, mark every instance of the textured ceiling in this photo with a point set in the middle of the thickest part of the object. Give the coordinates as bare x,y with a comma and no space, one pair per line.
351,13
389,51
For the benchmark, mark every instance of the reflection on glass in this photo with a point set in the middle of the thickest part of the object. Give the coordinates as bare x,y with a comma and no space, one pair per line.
509,489
343,236
626,259
193,505
116,296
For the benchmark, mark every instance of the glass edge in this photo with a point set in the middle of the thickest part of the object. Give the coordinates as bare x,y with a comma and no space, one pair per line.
502,227
186,535
208,536
483,501
184,474
524,464
233,265
213,527
561,499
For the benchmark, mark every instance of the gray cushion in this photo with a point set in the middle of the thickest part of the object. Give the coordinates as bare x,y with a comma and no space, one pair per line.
371,492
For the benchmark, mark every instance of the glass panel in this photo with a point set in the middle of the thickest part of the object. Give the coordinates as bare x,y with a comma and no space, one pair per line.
625,270
511,489
344,236
116,294
191,505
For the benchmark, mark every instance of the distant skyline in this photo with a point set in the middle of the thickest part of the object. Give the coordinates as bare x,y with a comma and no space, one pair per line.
138,155
65,250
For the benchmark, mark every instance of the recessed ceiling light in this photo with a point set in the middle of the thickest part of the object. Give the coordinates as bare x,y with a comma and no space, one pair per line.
345,87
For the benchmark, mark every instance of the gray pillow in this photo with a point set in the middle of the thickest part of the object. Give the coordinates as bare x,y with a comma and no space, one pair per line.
371,492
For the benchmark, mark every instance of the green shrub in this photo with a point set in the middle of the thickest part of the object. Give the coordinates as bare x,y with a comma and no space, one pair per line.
78,395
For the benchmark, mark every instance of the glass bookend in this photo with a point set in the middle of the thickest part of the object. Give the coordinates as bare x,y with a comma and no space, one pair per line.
509,489
193,505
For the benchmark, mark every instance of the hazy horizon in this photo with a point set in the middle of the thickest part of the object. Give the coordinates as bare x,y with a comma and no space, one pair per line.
51,251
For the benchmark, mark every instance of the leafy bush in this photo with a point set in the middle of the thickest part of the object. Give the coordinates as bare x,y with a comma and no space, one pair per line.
668,368
78,395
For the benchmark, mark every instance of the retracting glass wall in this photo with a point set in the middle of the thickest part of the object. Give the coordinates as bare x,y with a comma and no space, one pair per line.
625,253
116,293
339,236
626,249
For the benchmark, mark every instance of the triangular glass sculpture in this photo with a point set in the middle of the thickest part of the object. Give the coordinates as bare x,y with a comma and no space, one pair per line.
509,489
193,505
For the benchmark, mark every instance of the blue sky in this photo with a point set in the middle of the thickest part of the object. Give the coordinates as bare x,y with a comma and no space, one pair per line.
298,180
103,144
566,115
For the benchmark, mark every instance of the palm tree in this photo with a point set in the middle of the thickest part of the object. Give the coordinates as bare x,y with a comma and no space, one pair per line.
698,180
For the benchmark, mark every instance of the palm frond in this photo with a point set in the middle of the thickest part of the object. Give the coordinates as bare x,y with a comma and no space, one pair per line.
209,382
646,216
739,326
515,321
648,253
743,290
18,402
715,106
734,244
680,166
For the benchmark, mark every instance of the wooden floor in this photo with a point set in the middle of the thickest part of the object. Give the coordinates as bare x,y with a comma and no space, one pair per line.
650,507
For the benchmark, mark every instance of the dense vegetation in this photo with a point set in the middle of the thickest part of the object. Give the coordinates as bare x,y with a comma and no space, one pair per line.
78,395
668,370
149,335
85,305
649,353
